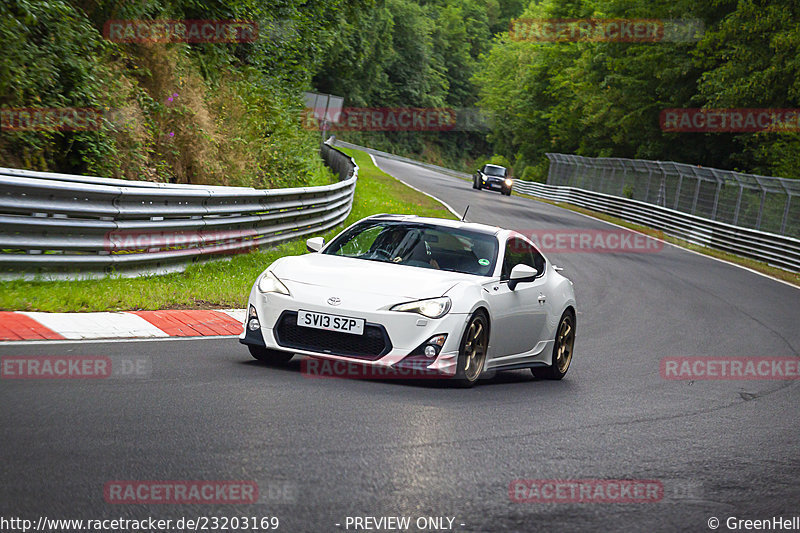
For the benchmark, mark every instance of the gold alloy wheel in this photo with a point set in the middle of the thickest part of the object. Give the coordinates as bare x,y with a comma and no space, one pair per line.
475,349
565,340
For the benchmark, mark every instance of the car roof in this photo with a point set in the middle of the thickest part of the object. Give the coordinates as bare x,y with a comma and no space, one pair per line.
445,222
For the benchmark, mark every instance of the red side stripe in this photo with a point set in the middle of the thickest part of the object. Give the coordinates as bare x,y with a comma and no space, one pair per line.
17,327
177,323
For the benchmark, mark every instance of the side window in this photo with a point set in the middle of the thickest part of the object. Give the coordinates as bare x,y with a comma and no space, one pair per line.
517,252
520,252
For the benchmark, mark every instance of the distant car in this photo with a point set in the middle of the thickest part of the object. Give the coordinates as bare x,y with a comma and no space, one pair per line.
493,177
398,292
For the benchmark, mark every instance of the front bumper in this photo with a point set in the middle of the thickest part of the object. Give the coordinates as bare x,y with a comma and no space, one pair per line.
405,334
497,184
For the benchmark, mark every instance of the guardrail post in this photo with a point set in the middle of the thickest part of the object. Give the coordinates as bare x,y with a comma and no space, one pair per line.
696,193
716,201
647,188
761,207
738,204
678,190
662,188
716,194
785,214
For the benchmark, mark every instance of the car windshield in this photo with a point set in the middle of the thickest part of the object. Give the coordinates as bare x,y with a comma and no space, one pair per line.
494,170
420,245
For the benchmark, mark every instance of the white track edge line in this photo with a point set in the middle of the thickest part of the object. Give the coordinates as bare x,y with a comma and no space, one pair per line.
453,211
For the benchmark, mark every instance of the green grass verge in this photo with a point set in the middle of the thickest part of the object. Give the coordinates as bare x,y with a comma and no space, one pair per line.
759,266
214,284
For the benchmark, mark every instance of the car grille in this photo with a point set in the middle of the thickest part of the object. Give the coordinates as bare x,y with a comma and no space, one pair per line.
373,344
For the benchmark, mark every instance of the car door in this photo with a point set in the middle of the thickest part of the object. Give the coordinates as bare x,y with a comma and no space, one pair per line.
519,315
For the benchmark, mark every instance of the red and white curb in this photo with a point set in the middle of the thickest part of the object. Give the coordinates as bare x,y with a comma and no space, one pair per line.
21,326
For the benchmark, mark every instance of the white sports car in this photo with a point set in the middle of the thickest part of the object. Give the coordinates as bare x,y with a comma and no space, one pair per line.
447,298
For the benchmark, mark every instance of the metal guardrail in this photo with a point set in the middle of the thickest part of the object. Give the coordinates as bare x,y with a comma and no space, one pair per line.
745,200
778,250
387,155
57,226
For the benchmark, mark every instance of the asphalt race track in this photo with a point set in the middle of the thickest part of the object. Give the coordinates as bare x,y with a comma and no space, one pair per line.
321,450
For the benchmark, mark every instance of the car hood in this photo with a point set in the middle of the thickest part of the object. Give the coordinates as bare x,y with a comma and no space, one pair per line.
345,274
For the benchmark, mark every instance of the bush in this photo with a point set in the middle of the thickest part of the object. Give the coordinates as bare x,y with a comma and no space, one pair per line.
206,113
537,172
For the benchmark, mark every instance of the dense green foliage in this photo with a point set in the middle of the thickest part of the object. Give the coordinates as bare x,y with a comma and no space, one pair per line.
604,98
229,113
416,53
208,113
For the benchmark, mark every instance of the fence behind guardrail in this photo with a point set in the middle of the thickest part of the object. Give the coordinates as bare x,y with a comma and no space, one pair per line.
746,200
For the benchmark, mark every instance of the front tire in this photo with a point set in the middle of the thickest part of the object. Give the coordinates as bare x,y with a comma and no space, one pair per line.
472,351
562,349
273,357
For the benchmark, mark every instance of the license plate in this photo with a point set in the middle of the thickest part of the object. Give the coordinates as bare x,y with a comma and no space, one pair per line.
309,319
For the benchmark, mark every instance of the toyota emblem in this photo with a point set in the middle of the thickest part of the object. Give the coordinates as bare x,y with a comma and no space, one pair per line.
334,300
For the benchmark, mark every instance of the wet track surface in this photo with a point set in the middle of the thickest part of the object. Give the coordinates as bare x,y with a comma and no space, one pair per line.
324,449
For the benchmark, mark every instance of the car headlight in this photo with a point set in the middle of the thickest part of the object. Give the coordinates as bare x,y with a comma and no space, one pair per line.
509,183
270,283
431,308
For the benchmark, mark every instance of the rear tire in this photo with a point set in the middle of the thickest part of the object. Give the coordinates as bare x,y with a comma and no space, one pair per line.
273,357
472,351
562,349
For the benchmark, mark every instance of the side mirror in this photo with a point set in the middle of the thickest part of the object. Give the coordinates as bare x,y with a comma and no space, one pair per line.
521,274
314,244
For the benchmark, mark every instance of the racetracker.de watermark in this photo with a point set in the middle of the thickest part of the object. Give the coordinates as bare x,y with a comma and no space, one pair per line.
594,241
385,119
51,119
181,492
74,367
697,120
180,31
585,491
181,242
311,367
546,30
730,368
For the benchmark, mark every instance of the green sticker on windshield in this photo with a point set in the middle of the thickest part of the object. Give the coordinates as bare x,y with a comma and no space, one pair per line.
483,262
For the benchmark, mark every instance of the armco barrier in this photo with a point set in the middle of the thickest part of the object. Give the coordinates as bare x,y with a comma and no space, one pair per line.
763,203
59,226
778,250
435,168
